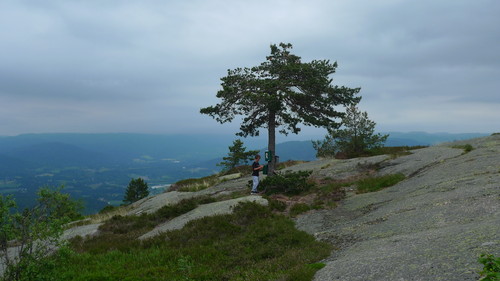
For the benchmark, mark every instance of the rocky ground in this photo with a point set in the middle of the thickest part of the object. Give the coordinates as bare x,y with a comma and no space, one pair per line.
431,226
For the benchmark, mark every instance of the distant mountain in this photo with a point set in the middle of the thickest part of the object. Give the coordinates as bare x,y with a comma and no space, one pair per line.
57,154
123,147
98,167
423,138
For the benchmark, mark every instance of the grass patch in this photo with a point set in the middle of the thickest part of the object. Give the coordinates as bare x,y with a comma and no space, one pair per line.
120,231
288,183
372,184
466,147
289,163
250,244
299,208
195,184
243,169
491,268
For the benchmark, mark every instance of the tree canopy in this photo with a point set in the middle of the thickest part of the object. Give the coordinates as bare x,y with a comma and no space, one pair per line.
355,138
136,190
237,155
282,92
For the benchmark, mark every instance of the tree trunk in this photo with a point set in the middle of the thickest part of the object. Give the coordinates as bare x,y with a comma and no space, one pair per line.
271,145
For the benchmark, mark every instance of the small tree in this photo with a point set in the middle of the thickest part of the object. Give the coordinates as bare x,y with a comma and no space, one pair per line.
27,237
281,93
136,190
237,156
356,138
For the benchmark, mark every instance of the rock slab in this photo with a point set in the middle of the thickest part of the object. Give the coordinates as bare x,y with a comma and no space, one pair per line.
431,226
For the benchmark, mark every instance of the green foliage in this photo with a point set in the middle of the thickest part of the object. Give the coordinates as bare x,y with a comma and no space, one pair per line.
466,147
372,184
35,231
192,185
284,87
107,209
355,139
281,92
243,169
237,155
289,183
121,232
491,269
136,190
250,244
299,208
276,205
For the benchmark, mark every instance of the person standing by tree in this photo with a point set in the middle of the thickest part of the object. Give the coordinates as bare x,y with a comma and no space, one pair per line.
282,94
256,167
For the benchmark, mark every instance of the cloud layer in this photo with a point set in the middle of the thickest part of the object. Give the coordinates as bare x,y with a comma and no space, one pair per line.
148,66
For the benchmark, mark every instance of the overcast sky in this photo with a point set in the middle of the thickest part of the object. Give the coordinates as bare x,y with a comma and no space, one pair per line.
149,66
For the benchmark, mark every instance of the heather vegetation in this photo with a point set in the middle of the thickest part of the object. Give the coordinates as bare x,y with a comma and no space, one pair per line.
250,244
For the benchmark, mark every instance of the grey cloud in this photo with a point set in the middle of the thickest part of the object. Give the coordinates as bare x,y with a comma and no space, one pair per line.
94,61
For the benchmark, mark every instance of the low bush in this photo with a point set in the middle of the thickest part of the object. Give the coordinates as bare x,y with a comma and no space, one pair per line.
197,184
298,209
119,232
107,209
276,205
243,169
466,147
491,269
372,184
288,183
250,244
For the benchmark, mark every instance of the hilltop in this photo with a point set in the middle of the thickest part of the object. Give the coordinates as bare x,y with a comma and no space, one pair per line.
433,225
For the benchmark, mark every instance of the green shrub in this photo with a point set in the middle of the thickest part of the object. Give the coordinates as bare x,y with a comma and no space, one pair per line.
243,169
289,183
299,208
466,147
491,269
276,205
136,190
192,185
107,209
121,232
250,244
372,184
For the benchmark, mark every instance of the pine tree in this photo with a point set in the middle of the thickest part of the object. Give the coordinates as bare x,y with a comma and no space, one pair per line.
281,93
136,190
237,156
356,137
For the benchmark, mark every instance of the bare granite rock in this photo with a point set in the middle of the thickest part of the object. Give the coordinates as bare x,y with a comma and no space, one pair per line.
153,203
431,226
